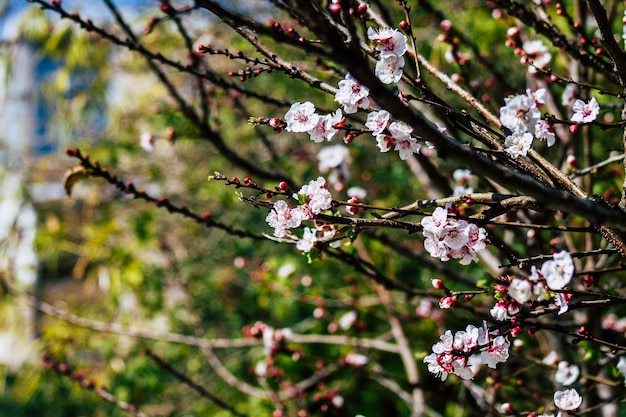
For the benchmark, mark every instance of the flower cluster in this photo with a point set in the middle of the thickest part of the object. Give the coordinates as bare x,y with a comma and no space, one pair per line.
554,274
392,46
400,138
313,198
463,352
452,239
301,117
521,116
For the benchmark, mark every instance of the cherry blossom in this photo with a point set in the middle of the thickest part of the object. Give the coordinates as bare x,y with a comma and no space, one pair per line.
389,69
458,353
499,311
567,400
543,130
537,53
301,117
309,239
406,147
452,239
566,373
384,142
352,95
562,302
388,41
315,197
497,352
404,143
559,271
520,290
377,121
281,218
518,144
332,157
585,112
520,113
324,129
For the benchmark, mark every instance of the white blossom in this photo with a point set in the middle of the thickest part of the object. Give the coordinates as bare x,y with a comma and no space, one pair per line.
566,373
356,359
332,157
568,95
520,290
384,142
567,400
389,69
520,113
352,95
621,365
499,312
316,197
559,271
497,352
538,54
309,238
518,144
347,320
147,141
301,117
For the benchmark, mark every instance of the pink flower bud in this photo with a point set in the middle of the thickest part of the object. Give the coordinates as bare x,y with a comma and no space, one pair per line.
438,284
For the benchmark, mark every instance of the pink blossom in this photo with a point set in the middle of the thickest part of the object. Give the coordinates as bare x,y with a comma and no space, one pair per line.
585,112
377,121
388,41
301,117
404,143
281,218
452,239
543,130
499,311
352,95
406,147
324,129
497,352
384,142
